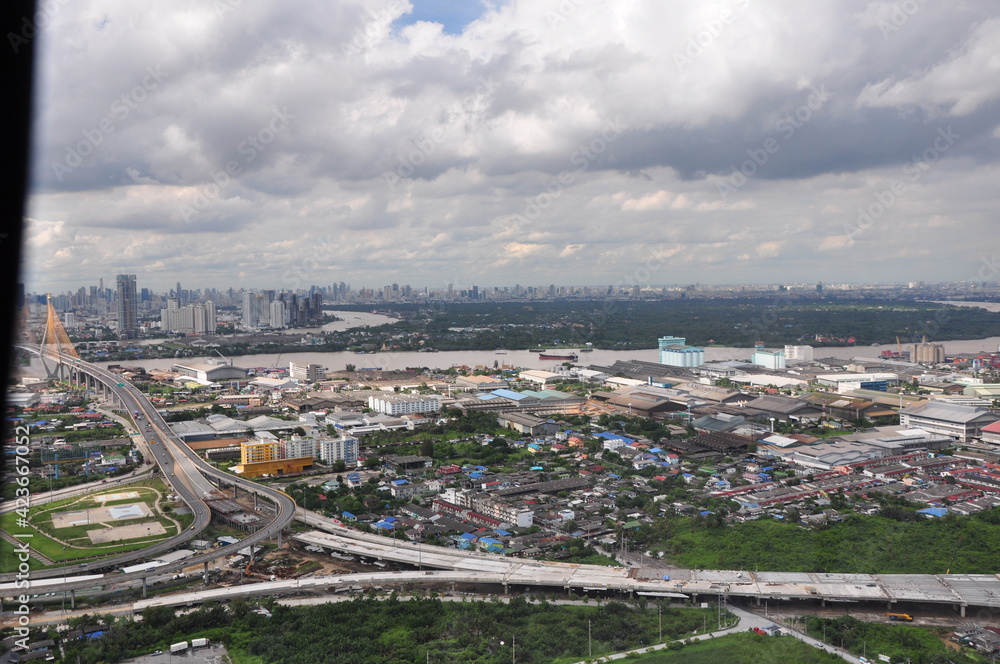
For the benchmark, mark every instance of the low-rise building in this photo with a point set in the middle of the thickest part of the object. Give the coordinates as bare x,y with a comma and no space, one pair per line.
960,422
529,425
403,404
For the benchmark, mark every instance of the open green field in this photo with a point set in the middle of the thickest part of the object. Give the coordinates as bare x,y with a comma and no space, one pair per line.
743,648
71,544
9,561
859,544
900,642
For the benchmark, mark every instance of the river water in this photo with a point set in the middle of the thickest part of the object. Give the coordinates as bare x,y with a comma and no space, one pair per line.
518,358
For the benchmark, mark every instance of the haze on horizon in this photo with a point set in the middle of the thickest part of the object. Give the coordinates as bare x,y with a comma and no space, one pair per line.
568,142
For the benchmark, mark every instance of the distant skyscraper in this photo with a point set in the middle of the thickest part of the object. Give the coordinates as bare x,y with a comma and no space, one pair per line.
277,314
128,307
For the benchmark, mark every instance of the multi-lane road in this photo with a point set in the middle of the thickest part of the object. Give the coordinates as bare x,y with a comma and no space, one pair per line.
186,473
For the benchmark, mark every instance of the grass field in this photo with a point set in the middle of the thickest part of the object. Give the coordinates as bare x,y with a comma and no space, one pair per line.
741,649
71,544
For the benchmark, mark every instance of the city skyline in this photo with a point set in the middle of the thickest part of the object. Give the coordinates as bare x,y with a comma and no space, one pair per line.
534,143
407,291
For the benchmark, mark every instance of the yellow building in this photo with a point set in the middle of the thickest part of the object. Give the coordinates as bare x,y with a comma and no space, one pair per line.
273,468
257,451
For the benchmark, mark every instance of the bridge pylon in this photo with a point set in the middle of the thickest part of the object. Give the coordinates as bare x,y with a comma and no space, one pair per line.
55,342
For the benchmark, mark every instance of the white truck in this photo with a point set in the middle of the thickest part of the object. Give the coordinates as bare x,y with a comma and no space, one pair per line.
200,643
179,647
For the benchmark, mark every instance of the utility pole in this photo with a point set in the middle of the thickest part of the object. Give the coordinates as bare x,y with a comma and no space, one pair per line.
590,646
659,613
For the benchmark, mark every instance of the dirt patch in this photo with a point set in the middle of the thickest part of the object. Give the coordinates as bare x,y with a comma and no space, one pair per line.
108,497
96,515
133,531
950,645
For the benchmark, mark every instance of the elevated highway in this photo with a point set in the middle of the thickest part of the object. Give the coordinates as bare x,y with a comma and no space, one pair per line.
958,590
188,475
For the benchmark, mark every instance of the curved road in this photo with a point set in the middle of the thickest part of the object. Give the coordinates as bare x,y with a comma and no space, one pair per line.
184,471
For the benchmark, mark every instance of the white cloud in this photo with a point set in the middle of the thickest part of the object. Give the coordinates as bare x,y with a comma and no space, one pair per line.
967,79
563,146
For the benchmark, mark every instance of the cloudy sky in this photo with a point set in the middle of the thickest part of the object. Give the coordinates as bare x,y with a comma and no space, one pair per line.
266,144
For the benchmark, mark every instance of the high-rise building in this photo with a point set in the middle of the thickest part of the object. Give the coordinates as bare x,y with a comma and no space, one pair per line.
255,451
799,353
277,314
333,449
128,311
309,373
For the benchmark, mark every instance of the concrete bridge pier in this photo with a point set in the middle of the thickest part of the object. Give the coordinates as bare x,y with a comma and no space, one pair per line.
505,588
72,599
144,587
822,602
961,609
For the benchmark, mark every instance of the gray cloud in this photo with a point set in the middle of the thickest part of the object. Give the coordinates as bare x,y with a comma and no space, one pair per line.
488,153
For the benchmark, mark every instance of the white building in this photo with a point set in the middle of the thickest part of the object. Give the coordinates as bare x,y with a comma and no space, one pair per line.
344,448
768,358
799,353
675,352
309,373
209,371
299,446
404,404
543,378
848,382
277,317
192,319
961,422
